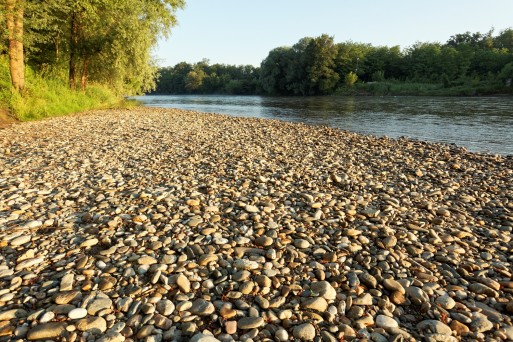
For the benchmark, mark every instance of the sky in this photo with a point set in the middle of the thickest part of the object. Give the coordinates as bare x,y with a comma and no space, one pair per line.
240,32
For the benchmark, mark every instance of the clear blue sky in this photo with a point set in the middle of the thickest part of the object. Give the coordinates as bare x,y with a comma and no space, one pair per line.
244,31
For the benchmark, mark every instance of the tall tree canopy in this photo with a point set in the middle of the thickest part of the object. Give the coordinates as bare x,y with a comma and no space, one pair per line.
106,41
318,66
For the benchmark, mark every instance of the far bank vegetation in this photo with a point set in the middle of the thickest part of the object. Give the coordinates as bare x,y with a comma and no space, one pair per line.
467,64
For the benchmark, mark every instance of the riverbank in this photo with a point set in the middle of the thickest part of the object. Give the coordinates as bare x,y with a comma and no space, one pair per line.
47,96
152,223
396,88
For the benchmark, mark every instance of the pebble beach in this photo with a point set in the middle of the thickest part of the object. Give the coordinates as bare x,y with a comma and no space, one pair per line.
171,225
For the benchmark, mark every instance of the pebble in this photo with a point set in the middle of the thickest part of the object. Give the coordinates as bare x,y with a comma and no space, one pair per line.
165,307
324,289
417,295
368,280
246,323
201,307
98,304
67,282
446,302
281,335
20,240
203,338
393,285
77,313
12,314
244,264
460,328
47,317
89,243
385,322
318,304
434,327
46,331
146,260
92,324
304,332
480,323
230,327
183,283
301,243
365,299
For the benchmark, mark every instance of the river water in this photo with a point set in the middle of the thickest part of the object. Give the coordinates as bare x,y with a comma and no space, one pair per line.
480,124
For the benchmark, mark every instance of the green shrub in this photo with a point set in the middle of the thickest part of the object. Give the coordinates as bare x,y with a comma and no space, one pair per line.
351,79
46,96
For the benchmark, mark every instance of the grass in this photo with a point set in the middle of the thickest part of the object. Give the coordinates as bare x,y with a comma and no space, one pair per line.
48,97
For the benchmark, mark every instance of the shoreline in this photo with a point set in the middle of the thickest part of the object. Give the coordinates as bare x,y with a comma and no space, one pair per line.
152,223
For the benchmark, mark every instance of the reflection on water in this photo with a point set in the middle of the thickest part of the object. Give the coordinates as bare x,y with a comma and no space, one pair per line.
479,124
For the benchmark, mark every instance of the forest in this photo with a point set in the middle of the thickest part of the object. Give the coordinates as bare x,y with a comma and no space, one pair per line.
467,64
101,48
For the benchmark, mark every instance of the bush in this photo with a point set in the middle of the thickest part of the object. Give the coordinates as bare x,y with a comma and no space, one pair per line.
46,97
506,74
351,79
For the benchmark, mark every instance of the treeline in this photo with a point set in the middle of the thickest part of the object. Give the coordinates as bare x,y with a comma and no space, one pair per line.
319,66
107,42
203,78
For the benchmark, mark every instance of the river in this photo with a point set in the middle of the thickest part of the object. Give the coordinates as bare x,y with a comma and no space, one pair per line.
480,124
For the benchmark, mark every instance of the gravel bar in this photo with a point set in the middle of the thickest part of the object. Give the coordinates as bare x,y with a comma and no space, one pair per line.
172,225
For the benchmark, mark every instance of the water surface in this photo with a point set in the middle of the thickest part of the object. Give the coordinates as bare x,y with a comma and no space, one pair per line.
480,124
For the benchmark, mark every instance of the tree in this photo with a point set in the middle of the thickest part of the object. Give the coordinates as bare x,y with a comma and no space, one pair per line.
380,62
349,56
506,74
423,61
504,40
351,79
273,71
321,77
14,10
194,79
311,70
104,41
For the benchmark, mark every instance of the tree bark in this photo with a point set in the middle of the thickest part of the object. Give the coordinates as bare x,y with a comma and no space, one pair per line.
14,20
56,43
83,80
73,52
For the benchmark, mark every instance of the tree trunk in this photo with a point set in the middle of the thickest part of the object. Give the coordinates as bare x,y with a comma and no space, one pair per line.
73,52
14,19
56,43
83,80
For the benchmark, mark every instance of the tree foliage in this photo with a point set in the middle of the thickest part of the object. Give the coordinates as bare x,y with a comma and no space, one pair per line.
102,41
318,66
203,78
